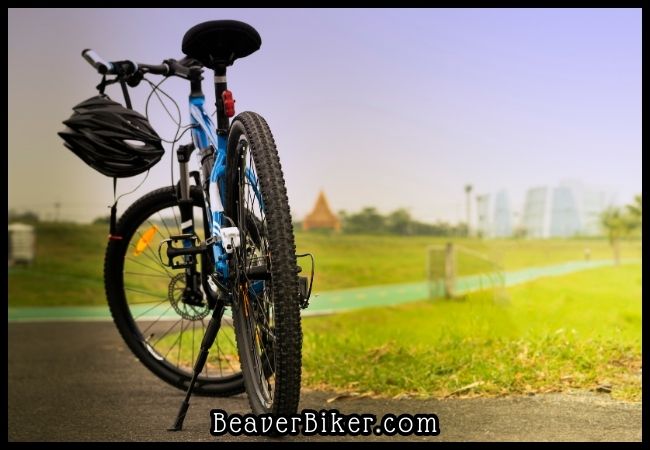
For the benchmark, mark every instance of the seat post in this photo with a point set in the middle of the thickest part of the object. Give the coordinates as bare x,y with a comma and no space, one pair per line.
220,85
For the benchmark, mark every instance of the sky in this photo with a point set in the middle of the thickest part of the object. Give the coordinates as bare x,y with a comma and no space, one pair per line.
389,108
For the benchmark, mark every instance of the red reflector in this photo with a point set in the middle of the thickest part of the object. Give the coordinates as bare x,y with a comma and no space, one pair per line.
228,103
114,238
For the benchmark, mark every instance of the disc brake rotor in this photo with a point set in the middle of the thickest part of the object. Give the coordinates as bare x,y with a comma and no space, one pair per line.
175,295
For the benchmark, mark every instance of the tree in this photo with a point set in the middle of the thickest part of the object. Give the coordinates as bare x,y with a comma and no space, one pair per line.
634,210
27,217
399,222
368,220
618,224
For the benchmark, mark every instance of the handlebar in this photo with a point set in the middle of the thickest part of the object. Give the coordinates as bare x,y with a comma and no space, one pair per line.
126,68
103,67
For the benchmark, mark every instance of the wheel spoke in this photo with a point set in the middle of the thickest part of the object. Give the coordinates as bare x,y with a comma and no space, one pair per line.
154,306
164,273
167,331
156,321
146,274
151,294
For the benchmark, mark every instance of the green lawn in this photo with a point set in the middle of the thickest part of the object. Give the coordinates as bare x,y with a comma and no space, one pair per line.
68,267
344,261
69,261
576,331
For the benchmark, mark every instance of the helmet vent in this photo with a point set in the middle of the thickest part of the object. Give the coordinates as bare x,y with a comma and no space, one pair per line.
135,144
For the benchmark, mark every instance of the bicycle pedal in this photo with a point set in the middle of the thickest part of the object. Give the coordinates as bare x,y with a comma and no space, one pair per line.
190,246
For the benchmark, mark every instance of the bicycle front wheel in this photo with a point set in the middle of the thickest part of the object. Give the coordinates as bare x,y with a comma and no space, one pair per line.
148,302
266,310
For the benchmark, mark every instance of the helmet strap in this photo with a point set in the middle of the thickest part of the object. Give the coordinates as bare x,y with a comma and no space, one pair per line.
114,209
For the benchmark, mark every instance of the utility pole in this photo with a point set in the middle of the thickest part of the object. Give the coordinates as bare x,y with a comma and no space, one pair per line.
468,192
57,208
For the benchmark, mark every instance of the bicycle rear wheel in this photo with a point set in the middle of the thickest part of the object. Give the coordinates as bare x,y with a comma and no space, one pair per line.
266,311
146,299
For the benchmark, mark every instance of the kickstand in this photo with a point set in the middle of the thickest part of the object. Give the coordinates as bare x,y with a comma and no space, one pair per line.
208,339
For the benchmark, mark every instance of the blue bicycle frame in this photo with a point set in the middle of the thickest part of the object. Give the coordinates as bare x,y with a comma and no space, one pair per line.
204,135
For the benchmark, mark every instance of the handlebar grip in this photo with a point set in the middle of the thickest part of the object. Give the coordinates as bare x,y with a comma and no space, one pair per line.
102,66
156,69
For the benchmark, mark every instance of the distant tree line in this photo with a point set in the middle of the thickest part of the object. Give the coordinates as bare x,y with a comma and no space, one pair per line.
25,217
371,221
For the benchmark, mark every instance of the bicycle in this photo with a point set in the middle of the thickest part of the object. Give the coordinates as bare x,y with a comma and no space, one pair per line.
221,247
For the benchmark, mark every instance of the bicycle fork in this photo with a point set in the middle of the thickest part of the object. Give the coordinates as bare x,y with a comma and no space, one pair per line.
187,225
192,293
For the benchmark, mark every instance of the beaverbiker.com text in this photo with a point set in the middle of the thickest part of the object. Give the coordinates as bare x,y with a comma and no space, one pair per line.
323,423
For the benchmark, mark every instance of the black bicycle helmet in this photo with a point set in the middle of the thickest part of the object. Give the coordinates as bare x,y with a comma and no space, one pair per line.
112,139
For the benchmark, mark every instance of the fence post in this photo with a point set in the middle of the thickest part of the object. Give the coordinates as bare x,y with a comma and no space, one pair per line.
428,272
450,270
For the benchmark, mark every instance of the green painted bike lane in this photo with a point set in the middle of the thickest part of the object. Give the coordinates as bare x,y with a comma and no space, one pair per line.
331,301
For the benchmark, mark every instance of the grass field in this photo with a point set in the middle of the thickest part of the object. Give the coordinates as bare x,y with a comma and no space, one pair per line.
355,260
574,332
577,331
68,268
69,261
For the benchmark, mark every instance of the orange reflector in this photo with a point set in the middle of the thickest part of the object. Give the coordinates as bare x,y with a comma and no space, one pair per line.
145,240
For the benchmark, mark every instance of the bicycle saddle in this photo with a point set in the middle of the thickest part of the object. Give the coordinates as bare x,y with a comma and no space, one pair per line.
220,42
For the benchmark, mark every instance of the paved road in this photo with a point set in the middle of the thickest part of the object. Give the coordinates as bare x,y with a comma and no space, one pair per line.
339,300
77,381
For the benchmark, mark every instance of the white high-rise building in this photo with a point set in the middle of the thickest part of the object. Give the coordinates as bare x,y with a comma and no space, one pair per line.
535,218
566,210
494,214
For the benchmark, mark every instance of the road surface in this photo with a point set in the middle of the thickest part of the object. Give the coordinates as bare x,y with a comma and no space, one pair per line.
77,381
